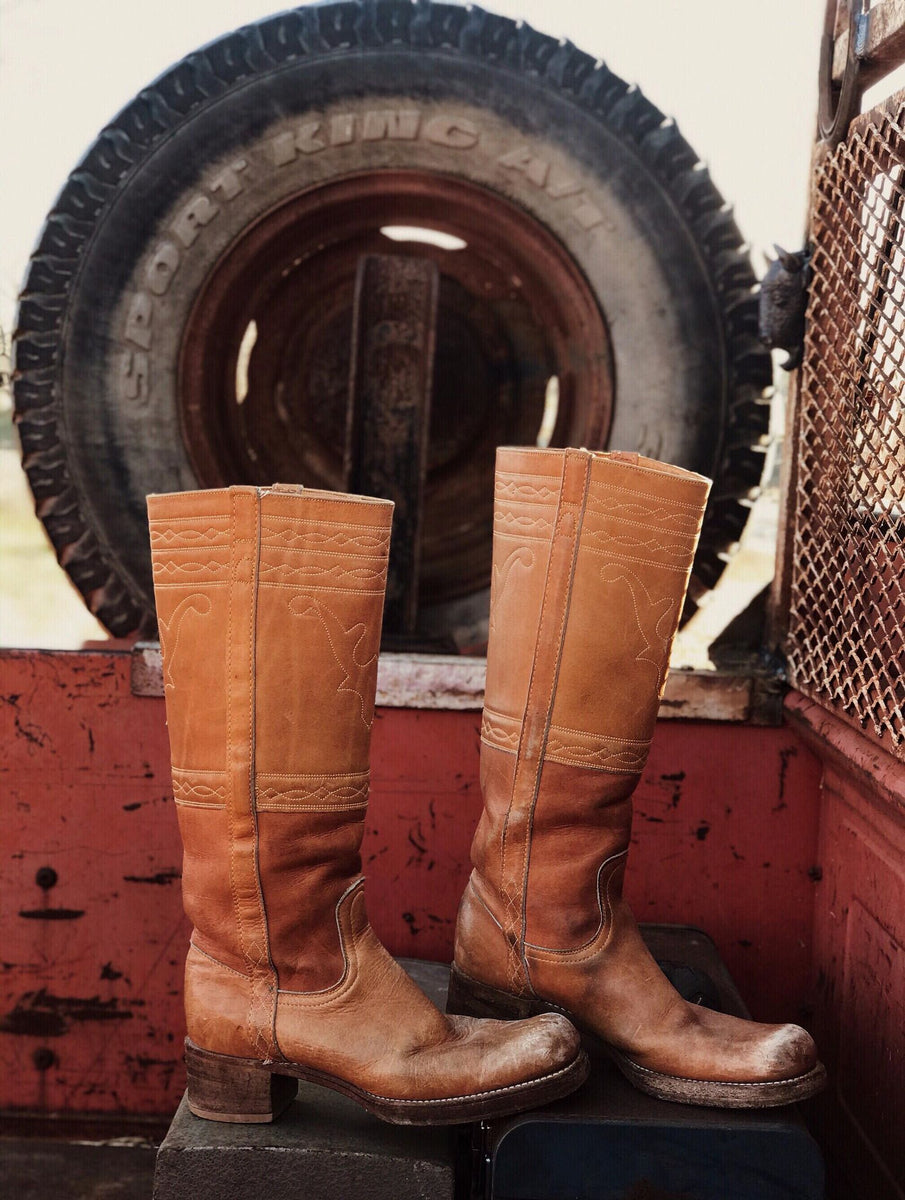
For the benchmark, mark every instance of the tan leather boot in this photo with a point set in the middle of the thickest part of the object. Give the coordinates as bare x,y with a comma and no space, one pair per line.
591,559
270,603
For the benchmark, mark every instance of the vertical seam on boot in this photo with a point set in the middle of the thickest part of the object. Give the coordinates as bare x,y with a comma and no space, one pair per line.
252,959
567,603
604,908
231,809
540,621
515,954
252,768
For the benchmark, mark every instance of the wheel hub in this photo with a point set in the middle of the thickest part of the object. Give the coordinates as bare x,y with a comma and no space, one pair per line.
523,355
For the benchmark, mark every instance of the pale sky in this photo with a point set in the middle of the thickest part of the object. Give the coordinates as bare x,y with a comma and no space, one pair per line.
739,76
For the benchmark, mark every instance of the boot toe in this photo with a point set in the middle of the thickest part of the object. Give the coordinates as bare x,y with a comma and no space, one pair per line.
515,1052
788,1051
548,1041
540,1046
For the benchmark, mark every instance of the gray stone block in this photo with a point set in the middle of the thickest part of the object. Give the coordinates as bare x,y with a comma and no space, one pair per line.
324,1147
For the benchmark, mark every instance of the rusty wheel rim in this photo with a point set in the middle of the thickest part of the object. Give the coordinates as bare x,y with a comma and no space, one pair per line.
264,365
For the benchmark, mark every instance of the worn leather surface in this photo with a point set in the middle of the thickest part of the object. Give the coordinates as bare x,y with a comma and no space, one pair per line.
269,604
592,553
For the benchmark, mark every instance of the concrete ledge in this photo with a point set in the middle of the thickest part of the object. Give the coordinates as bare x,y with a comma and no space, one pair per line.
454,682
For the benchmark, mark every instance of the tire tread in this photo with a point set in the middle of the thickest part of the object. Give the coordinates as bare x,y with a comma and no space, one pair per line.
331,28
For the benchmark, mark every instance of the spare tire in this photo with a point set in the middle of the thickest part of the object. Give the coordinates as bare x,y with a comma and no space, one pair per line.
185,319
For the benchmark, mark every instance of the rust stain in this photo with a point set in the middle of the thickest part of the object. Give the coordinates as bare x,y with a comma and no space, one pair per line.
41,1014
52,914
162,878
785,756
409,919
138,1066
417,839
33,734
673,782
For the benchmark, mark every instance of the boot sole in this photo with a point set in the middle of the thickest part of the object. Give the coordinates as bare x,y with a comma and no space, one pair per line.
247,1091
469,997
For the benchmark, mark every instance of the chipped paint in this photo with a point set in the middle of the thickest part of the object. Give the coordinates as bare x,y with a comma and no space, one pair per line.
42,1014
161,878
52,914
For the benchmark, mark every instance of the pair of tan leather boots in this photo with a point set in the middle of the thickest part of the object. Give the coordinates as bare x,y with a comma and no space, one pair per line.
270,604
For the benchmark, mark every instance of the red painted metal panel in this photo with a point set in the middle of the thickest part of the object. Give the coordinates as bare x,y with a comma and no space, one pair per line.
859,950
90,991
731,848
90,982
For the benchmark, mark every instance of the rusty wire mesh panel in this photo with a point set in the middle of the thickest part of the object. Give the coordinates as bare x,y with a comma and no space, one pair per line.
847,619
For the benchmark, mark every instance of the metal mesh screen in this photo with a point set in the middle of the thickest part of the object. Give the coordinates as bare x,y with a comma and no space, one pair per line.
847,619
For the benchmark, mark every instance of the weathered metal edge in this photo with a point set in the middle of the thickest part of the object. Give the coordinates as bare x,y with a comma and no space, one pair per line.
442,681
880,45
854,752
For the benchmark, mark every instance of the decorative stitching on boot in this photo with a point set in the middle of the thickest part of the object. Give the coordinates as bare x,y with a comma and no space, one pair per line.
316,575
350,956
312,793
610,555
184,583
194,570
522,558
303,552
527,493
344,646
198,793
604,908
643,502
170,631
596,752
617,543
500,730
520,525
217,962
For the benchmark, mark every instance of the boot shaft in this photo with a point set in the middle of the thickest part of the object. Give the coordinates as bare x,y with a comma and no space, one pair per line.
591,559
269,605
592,555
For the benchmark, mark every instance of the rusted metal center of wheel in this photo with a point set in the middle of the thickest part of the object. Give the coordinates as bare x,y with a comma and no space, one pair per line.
522,353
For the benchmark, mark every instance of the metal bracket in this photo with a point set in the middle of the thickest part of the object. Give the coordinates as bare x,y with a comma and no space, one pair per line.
391,375
838,106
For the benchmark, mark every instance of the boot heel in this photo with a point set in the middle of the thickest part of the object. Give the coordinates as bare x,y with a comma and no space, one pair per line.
238,1090
469,998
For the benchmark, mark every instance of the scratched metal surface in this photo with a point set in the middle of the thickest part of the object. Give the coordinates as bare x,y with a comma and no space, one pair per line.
92,936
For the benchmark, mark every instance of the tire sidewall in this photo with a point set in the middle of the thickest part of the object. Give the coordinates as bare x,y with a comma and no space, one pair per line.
313,122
